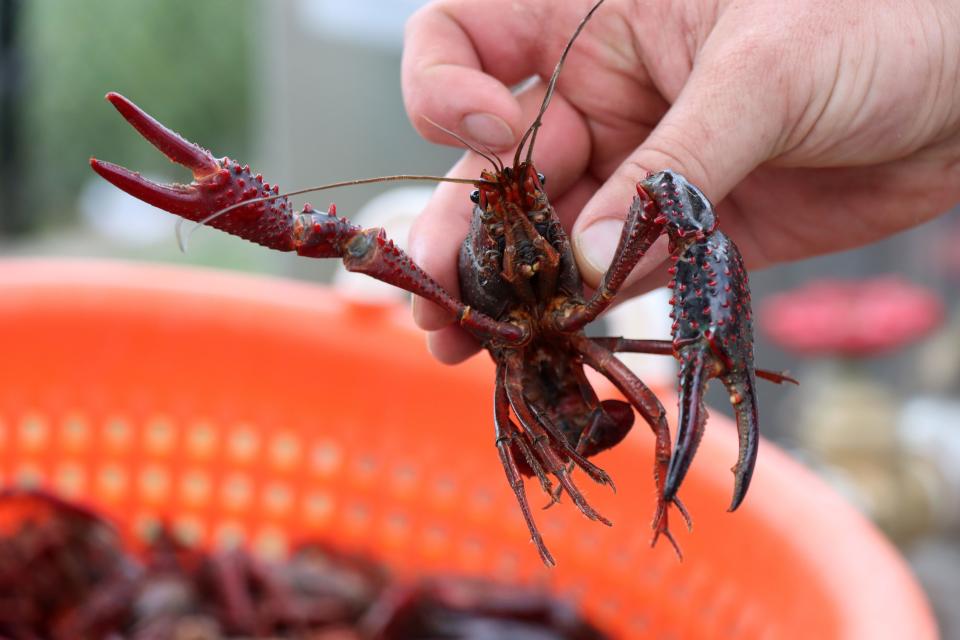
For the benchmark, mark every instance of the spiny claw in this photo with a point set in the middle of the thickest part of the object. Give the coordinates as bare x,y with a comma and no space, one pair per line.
217,184
177,199
698,364
197,159
712,325
744,400
693,416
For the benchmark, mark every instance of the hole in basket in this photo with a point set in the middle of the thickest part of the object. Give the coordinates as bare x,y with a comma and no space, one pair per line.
74,432
28,476
435,537
188,530
284,451
229,535
325,458
365,465
652,573
481,499
358,515
243,443
398,526
116,433
277,498
236,491
146,527
70,479
445,488
587,543
195,487
201,439
621,558
112,480
154,483
404,477
473,548
33,431
271,544
158,436
317,507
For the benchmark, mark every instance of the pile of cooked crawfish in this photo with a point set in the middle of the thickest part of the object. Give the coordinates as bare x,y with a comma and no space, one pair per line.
523,299
64,574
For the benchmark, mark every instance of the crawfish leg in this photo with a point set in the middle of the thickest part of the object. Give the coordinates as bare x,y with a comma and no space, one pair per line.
269,220
371,253
650,408
609,421
642,226
666,348
508,437
544,439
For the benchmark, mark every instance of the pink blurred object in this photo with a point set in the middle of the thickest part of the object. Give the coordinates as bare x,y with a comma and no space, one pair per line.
854,318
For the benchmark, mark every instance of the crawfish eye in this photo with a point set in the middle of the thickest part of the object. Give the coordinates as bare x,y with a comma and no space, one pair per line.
542,178
475,196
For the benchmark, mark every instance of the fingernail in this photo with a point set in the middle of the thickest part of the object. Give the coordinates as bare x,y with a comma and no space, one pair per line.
487,129
598,242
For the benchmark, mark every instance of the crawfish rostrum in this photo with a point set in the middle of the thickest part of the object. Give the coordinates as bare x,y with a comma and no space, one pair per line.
522,298
64,574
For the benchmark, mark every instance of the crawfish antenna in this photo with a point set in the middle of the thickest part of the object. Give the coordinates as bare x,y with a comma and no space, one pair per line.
531,133
489,156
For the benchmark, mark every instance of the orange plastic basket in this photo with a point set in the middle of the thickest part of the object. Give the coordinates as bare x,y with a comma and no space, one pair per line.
242,408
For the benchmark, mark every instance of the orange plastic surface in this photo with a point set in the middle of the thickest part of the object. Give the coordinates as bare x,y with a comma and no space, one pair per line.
241,408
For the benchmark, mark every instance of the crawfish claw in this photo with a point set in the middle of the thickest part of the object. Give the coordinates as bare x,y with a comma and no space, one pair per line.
217,184
177,199
744,400
194,157
712,328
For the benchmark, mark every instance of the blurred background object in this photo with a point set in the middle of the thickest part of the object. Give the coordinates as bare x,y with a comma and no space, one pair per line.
11,169
309,92
847,419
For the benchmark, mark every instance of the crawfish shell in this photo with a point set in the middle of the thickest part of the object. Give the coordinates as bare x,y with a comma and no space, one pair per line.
481,285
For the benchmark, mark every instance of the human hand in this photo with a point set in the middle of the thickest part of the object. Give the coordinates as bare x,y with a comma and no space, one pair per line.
820,125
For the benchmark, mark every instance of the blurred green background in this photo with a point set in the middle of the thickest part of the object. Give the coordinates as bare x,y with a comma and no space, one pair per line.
191,57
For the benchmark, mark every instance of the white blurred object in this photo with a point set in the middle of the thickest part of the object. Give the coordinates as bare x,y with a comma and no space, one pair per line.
121,218
394,210
370,22
930,428
644,317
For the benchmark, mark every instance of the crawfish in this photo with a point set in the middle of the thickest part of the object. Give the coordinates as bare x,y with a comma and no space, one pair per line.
523,300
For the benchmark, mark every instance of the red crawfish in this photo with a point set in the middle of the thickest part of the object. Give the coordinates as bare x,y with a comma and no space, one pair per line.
522,298
63,573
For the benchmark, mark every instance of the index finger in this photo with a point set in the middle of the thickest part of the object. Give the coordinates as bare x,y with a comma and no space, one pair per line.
460,57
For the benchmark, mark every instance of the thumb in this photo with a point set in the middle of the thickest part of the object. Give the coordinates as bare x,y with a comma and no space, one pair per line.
712,135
